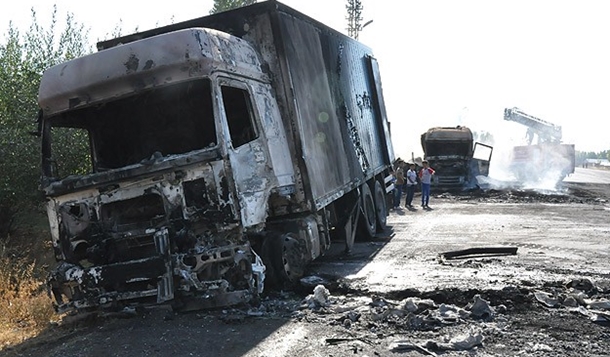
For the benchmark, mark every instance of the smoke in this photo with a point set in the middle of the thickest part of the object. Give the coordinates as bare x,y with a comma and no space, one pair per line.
540,168
489,127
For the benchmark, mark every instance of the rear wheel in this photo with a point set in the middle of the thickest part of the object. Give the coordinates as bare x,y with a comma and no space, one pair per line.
369,214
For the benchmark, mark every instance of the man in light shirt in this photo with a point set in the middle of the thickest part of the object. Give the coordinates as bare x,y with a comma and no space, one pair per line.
411,180
425,175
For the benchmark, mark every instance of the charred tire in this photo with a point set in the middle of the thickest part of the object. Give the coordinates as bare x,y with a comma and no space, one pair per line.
381,207
267,254
368,218
285,257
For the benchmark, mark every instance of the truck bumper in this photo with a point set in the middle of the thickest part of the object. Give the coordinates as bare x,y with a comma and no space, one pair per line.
163,278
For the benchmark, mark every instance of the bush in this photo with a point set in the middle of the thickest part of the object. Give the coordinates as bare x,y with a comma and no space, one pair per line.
25,255
25,308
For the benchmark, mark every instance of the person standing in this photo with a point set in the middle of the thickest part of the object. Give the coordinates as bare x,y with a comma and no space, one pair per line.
425,175
411,183
400,181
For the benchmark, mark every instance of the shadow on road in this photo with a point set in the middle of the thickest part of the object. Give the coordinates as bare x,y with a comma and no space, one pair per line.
346,264
154,332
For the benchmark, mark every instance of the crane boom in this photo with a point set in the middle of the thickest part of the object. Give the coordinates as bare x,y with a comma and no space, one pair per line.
546,132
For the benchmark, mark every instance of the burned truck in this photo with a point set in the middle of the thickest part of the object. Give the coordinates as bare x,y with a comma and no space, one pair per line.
456,157
220,155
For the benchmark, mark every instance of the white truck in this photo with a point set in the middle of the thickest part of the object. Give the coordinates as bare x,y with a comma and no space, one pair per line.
222,153
545,159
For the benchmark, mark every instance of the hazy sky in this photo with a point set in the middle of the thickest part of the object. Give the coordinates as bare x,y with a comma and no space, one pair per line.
443,63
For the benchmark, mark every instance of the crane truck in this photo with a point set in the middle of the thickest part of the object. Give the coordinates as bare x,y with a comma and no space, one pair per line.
220,155
545,158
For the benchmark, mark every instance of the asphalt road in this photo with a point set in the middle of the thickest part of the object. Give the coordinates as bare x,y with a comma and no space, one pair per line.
554,241
583,175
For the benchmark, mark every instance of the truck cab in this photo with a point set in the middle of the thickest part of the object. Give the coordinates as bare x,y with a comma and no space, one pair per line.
456,158
189,144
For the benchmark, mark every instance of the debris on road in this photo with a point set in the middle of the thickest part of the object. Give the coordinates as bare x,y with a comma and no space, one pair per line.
546,299
485,251
480,308
312,281
338,340
319,298
458,343
597,316
598,304
462,342
596,309
417,305
403,346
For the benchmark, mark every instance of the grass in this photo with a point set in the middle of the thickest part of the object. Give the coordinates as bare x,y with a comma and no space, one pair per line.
25,308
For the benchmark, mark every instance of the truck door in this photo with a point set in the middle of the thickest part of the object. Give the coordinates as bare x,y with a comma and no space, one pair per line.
481,158
246,151
379,106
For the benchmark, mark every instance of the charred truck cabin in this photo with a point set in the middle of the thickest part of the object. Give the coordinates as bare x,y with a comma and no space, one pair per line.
456,157
222,154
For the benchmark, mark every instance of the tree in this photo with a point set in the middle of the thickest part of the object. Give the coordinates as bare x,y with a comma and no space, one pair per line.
483,137
354,18
23,59
224,5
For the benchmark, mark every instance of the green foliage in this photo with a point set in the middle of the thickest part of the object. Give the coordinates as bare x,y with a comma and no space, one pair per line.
484,137
71,152
224,5
18,150
23,59
582,155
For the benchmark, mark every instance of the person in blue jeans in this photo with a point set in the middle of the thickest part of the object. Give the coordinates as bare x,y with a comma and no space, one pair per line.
425,175
411,183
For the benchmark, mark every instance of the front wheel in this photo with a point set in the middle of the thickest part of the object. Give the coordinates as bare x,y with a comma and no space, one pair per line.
285,257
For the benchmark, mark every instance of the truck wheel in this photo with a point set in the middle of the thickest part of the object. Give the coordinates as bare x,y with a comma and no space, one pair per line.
381,207
369,215
286,258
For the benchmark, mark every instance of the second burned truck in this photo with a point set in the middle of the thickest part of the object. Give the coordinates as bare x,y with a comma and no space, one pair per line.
456,157
220,153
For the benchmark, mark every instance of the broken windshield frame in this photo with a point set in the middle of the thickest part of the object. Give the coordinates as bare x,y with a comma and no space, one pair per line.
132,130
448,149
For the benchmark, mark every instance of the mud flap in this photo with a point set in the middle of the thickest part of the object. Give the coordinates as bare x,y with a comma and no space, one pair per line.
258,272
351,227
368,223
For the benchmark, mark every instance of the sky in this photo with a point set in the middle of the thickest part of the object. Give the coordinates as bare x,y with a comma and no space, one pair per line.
442,62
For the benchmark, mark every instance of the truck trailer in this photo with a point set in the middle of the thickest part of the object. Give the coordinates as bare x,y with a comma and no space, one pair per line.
219,155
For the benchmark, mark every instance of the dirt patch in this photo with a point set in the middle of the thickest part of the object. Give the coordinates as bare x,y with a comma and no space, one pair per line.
569,192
